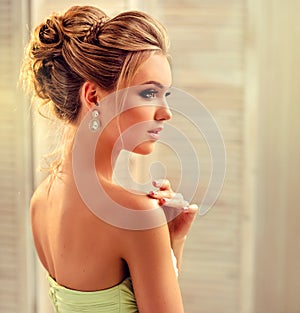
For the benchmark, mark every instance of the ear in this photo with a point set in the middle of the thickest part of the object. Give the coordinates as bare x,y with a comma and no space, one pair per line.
90,94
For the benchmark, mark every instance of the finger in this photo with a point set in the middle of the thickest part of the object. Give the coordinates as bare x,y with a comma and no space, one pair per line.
162,184
159,194
176,203
192,208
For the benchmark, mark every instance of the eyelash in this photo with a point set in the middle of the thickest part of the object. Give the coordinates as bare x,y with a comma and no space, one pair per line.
148,94
151,94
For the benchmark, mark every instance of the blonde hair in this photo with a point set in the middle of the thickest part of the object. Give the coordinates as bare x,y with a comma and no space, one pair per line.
83,44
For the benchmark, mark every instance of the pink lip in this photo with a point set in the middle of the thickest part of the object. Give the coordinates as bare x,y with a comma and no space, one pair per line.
154,133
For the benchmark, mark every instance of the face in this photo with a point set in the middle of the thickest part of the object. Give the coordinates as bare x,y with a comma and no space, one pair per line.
145,108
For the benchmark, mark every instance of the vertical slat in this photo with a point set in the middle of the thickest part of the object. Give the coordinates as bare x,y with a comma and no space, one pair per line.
15,165
250,171
8,221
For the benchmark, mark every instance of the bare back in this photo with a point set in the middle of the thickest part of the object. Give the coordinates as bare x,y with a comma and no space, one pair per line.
77,248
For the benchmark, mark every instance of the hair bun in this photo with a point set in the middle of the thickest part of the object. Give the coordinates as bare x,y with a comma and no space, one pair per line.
51,32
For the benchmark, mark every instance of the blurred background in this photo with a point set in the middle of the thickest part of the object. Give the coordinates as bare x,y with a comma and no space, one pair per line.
241,59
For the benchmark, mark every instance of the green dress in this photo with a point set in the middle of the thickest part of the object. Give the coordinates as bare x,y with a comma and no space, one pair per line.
117,299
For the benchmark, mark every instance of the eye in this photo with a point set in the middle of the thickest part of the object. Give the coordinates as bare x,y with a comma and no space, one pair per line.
167,94
149,94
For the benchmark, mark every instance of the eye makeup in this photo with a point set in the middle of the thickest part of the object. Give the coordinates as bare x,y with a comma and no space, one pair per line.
152,93
149,93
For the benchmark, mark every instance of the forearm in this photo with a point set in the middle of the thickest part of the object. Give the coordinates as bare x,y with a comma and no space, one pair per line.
177,247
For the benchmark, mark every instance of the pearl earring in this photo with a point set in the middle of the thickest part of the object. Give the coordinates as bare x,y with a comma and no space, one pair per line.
94,124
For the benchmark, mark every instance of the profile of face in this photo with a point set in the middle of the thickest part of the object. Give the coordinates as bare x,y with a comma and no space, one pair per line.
143,109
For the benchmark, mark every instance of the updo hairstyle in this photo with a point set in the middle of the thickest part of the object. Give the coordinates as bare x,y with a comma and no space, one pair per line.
83,44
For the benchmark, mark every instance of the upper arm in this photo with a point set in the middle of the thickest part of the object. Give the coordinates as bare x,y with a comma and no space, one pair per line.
148,255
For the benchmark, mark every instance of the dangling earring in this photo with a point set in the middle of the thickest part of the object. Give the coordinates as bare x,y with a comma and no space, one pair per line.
94,123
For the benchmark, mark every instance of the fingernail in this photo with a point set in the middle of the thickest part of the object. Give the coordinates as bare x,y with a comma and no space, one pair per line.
162,201
152,193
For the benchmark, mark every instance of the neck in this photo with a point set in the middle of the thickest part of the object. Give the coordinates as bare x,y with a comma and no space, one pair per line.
105,157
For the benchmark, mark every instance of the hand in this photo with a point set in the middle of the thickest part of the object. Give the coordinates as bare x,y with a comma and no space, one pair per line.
178,211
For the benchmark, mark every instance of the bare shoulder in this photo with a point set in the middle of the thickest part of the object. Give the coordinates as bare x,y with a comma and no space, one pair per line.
132,210
38,210
131,199
39,195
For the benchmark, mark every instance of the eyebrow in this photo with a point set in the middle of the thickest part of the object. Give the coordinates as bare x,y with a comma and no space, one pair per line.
153,82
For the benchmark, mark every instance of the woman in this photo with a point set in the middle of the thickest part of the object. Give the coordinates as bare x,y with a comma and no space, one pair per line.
75,62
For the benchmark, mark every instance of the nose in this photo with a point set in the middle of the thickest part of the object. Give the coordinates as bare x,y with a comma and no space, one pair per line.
163,113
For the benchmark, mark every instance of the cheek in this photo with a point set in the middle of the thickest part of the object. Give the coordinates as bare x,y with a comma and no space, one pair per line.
136,137
135,116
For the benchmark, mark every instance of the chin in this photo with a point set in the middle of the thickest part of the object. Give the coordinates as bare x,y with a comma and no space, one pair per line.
144,148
